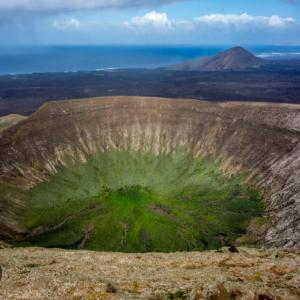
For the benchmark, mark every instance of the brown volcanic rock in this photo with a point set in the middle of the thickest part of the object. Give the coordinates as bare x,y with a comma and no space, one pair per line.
236,58
262,139
251,274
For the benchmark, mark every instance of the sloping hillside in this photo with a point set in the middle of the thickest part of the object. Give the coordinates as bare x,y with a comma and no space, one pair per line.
10,120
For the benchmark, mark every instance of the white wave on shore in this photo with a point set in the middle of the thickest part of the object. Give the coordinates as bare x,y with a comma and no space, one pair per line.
279,55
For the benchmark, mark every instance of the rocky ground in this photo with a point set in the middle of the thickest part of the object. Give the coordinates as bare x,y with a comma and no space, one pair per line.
35,273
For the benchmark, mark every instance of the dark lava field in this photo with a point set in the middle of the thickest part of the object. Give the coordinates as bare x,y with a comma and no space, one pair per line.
23,94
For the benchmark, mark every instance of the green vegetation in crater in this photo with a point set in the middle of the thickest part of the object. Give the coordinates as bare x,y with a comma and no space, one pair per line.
137,202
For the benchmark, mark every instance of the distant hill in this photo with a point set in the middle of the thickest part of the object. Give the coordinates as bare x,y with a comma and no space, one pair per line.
236,58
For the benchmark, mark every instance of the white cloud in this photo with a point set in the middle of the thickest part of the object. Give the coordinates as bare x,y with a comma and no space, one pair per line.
161,21
67,24
244,20
61,5
151,20
276,21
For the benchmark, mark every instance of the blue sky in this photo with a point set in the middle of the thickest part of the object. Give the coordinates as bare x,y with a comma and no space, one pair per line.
197,22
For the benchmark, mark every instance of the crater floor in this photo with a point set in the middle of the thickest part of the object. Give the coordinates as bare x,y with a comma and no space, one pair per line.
140,202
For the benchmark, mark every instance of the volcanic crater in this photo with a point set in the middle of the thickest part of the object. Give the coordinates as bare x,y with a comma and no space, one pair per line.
138,174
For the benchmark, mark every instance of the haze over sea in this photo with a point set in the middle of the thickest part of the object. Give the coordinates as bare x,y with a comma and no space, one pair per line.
44,59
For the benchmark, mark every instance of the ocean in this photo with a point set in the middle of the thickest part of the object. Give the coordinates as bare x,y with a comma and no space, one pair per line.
45,59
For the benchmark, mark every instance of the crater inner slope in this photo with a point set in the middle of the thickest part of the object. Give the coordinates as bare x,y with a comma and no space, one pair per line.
260,141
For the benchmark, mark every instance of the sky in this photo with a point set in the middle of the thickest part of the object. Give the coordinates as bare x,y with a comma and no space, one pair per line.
162,22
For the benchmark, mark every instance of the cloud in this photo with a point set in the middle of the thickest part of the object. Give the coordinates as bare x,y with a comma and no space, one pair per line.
71,5
161,21
244,20
151,20
67,24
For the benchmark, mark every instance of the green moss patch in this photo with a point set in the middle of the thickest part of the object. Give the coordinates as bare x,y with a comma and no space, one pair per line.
136,202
